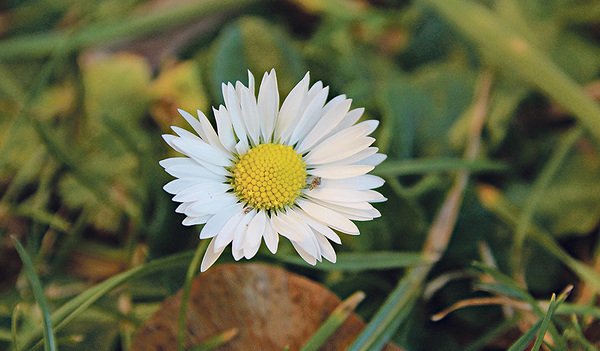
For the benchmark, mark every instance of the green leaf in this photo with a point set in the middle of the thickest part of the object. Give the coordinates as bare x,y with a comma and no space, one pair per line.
402,105
116,86
448,90
506,97
38,292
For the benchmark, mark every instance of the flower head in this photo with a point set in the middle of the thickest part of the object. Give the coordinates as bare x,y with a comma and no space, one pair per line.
299,171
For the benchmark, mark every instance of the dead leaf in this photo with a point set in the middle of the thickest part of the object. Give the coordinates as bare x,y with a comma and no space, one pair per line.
272,309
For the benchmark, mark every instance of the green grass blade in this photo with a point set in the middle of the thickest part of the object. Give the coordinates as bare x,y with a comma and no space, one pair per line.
525,340
14,327
392,313
78,304
5,335
525,220
428,166
544,326
42,45
498,204
357,262
554,303
508,282
570,309
504,47
517,291
333,322
38,293
496,332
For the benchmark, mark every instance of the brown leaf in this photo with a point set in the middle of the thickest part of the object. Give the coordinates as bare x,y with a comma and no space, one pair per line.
271,308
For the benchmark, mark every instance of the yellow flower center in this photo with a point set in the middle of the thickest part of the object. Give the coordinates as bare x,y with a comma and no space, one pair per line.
269,176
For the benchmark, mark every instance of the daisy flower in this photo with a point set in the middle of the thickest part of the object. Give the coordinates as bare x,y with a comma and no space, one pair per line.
299,171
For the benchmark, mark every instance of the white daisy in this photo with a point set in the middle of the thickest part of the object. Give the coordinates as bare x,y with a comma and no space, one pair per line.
299,171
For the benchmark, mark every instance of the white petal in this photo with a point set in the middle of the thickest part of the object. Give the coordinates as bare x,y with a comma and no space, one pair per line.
187,168
310,116
371,125
326,124
344,195
288,114
363,182
349,119
198,150
256,229
211,205
175,186
204,191
183,207
250,114
225,128
210,135
241,231
210,256
176,161
268,105
280,225
327,250
242,147
309,243
196,220
373,160
332,218
340,172
340,145
227,233
216,223
271,237
357,211
192,121
251,86
305,255
319,227
314,90
237,254
232,104
356,158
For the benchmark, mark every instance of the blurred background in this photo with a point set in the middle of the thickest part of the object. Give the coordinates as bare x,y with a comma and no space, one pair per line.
500,92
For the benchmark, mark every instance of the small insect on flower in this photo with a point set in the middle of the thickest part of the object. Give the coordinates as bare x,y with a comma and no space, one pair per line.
247,182
315,183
